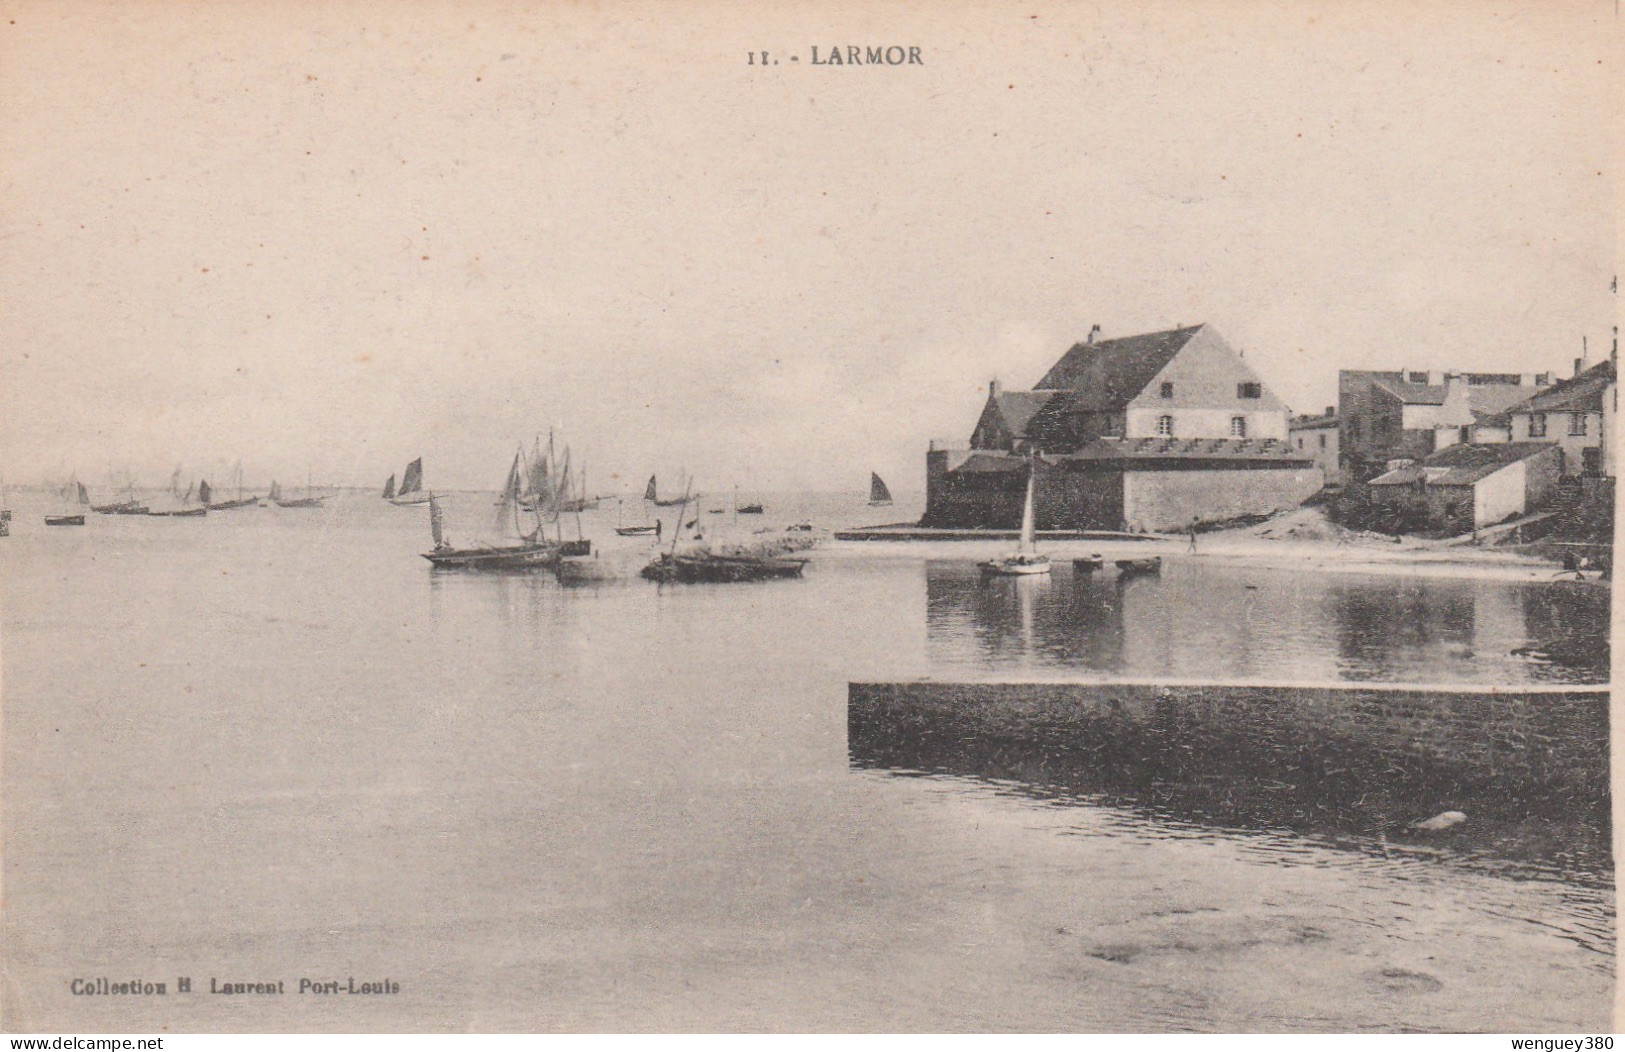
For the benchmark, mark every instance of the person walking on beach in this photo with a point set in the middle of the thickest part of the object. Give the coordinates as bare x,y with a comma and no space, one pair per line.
1193,534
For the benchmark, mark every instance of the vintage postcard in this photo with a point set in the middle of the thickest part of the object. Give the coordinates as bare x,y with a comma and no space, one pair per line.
842,517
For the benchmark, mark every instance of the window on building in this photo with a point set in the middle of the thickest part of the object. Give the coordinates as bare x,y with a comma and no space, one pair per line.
1167,389
1165,426
1537,425
1238,427
1577,423
1323,440
1417,378
1249,390
1300,441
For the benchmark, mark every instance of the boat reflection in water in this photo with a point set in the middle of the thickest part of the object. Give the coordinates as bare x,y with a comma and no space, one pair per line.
1206,621
1353,767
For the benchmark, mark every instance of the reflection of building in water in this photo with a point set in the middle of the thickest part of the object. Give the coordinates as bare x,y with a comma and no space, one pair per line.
1529,767
1199,621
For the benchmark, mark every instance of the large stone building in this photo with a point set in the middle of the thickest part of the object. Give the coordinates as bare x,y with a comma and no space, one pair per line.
1149,432
1407,414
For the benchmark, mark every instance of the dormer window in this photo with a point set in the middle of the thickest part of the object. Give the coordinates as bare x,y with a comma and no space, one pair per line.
1165,426
1167,389
1249,390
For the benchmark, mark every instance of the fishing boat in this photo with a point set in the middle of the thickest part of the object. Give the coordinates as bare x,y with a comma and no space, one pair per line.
1134,567
521,550
75,499
632,531
879,495
750,509
309,500
239,501
705,566
183,508
128,506
651,493
580,501
411,491
1025,560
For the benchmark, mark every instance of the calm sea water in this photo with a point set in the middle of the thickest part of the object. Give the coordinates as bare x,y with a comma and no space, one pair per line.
273,745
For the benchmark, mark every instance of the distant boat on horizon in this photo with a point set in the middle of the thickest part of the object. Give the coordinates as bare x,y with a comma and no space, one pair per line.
411,491
309,500
75,499
239,501
651,493
879,495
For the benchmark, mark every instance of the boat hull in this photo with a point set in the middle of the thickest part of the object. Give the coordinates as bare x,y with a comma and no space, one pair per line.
64,520
634,531
229,505
716,569
526,557
410,500
1139,566
1015,567
128,507
302,502
183,513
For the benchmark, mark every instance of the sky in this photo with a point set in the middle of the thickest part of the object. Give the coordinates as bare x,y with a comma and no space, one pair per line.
324,239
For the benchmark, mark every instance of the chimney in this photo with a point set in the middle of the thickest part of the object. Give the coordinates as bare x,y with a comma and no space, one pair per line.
1091,339
993,388
1580,362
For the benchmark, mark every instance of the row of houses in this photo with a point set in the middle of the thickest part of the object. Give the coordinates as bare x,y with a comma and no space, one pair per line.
1164,430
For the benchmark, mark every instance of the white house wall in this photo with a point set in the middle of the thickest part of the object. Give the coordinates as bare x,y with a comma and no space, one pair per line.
1500,494
1205,374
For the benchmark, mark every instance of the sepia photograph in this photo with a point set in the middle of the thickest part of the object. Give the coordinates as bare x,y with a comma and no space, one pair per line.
526,516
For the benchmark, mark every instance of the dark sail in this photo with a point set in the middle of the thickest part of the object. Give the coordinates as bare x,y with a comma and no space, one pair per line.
413,480
389,488
649,490
84,494
878,493
204,492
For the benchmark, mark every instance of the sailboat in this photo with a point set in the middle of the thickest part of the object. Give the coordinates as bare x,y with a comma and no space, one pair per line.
238,501
581,502
1025,559
632,531
526,550
183,506
309,500
389,488
651,494
128,506
75,499
704,566
879,495
411,491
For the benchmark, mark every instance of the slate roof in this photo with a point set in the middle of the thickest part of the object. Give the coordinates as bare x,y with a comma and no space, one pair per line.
1019,407
1106,376
1577,394
1463,465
